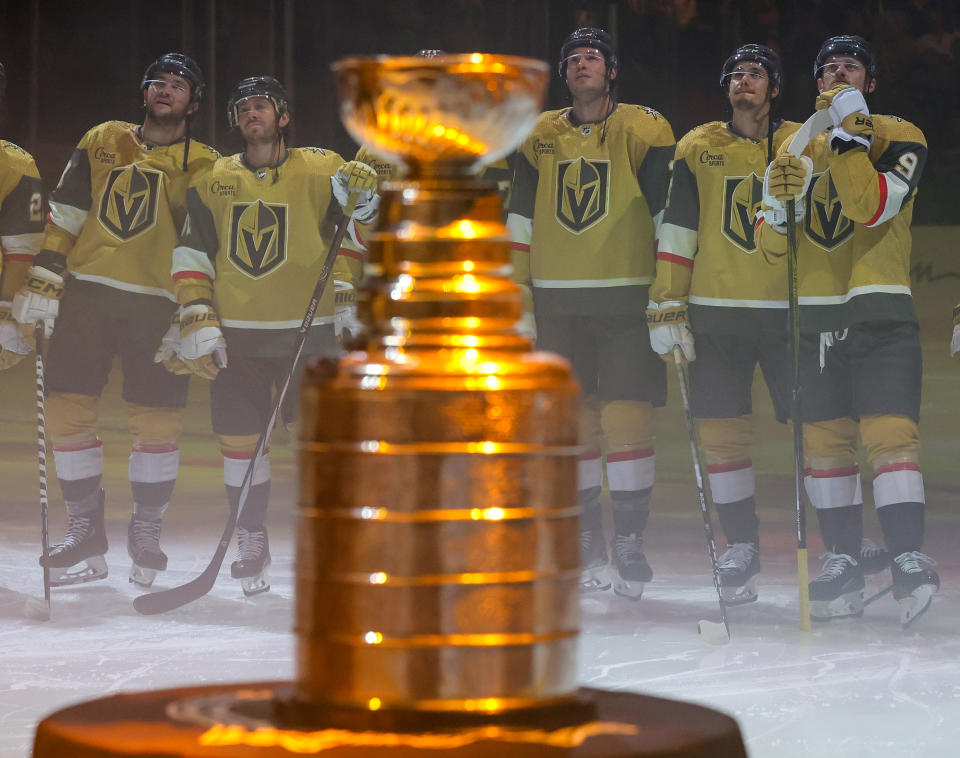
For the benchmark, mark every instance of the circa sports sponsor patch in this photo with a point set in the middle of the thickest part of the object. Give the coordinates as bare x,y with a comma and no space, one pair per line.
258,237
128,206
583,187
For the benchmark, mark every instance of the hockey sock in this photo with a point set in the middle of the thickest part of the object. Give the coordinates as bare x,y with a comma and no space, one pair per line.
903,526
254,511
631,510
739,521
591,518
842,529
153,474
80,471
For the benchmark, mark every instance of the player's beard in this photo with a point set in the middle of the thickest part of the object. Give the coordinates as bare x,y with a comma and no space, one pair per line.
172,117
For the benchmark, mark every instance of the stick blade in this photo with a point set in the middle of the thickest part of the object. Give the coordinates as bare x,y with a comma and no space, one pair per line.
712,632
36,608
175,597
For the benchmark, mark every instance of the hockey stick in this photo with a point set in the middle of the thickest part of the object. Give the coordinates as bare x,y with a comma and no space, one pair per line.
167,600
34,607
711,631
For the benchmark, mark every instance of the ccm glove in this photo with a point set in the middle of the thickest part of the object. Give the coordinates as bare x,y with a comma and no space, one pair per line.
788,176
16,339
202,346
169,351
345,321
852,125
669,329
355,188
38,298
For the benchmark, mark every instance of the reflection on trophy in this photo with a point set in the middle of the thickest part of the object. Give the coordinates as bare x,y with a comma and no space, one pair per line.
438,554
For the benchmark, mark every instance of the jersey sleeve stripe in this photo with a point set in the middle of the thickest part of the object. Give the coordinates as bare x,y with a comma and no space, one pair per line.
678,259
893,193
677,240
881,206
191,262
68,217
349,253
21,247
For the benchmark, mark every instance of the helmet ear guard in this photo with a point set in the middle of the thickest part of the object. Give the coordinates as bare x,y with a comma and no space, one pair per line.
179,65
257,86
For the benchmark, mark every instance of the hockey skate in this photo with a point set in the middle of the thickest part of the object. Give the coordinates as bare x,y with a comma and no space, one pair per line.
253,559
143,547
739,569
630,568
913,585
838,591
873,559
79,558
593,553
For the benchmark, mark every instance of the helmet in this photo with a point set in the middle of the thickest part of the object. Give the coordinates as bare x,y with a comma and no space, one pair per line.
588,36
428,53
847,44
758,54
257,86
181,65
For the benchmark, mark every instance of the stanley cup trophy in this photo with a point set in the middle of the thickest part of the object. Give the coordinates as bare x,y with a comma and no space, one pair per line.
438,558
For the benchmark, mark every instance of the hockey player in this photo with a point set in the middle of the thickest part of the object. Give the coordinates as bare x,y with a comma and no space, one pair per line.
862,375
259,227
104,274
708,267
589,187
21,232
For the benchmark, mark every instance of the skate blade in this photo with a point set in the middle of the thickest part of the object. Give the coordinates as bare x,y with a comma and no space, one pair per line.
142,577
849,605
254,585
746,593
91,570
627,589
595,579
915,604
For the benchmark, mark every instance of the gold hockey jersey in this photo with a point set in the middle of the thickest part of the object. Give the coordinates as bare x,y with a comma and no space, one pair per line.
258,239
707,252
585,208
21,215
119,206
854,242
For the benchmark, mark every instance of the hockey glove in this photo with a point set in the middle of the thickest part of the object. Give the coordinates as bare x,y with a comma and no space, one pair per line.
38,298
16,339
955,340
169,351
528,324
202,345
355,188
345,321
669,329
787,176
852,125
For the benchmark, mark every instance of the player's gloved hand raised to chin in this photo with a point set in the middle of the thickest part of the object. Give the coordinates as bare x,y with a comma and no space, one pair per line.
169,351
38,298
345,321
787,177
16,339
852,124
202,346
355,188
669,329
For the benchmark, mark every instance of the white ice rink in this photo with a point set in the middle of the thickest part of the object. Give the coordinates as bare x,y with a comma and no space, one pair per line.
859,689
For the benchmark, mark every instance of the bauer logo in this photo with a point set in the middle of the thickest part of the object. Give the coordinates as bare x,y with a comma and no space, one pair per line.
258,237
741,203
824,222
583,188
128,206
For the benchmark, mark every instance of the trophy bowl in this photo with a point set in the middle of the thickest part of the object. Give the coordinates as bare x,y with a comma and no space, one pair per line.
447,115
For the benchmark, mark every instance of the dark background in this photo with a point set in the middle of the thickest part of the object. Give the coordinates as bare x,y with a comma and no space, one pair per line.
73,65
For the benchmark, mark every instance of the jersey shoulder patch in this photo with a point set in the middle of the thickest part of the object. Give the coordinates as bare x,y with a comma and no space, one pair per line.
896,129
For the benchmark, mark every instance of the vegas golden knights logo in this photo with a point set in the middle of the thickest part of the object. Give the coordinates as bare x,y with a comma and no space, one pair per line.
128,206
741,203
824,223
258,237
583,187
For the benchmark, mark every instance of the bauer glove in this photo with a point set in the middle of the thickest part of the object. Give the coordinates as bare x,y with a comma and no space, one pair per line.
955,340
852,125
202,346
345,321
38,298
787,176
669,329
169,351
16,339
355,188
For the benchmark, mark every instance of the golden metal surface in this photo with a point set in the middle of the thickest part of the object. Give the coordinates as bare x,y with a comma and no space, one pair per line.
438,545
